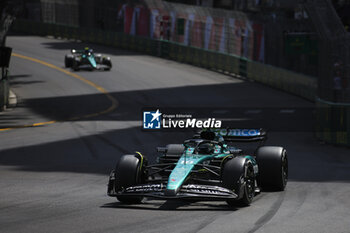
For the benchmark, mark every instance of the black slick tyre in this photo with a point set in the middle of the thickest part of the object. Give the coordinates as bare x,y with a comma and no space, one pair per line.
273,167
75,65
128,173
238,175
68,60
107,62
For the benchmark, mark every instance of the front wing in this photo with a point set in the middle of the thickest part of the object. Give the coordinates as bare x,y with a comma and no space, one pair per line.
98,67
189,191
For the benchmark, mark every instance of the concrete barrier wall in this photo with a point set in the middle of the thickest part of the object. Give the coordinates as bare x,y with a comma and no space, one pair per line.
328,114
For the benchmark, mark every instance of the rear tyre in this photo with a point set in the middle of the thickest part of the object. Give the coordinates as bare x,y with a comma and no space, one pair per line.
238,175
273,167
68,60
128,173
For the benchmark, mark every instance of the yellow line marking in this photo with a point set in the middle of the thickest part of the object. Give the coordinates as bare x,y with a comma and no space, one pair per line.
111,108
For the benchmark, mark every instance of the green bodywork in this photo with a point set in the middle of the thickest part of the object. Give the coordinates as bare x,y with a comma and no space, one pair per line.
189,160
91,59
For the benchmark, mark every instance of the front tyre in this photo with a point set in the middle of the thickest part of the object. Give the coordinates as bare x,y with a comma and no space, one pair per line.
238,175
68,60
76,64
107,62
128,173
273,167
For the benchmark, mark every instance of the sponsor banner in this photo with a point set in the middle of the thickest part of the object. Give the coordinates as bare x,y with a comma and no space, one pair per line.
197,33
231,29
222,45
236,36
180,27
215,35
262,50
172,22
135,15
247,43
126,15
143,22
154,24
208,31
188,26
259,42
239,132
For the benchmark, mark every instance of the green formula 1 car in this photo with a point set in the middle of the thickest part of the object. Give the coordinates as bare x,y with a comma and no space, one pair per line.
205,167
87,60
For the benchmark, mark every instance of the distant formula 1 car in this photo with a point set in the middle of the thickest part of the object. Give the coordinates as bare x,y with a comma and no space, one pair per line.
86,59
203,168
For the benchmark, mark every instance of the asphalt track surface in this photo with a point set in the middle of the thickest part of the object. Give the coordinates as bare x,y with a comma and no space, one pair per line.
53,177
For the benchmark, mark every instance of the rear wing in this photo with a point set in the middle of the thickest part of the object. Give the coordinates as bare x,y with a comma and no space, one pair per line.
241,135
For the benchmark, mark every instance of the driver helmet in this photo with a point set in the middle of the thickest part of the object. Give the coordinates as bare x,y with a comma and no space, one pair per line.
205,148
88,50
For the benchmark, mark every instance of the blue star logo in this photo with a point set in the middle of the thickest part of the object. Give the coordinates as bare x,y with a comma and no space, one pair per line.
152,120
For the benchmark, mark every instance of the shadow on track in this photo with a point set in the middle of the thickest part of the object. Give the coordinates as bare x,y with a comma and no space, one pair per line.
89,154
173,206
19,80
98,152
202,98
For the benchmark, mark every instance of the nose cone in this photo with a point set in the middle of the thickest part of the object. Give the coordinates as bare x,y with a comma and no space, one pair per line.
170,192
92,61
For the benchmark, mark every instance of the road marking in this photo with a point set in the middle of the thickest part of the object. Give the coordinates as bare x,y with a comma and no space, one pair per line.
114,101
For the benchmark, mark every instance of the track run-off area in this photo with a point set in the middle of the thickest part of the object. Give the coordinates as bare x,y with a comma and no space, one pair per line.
69,129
